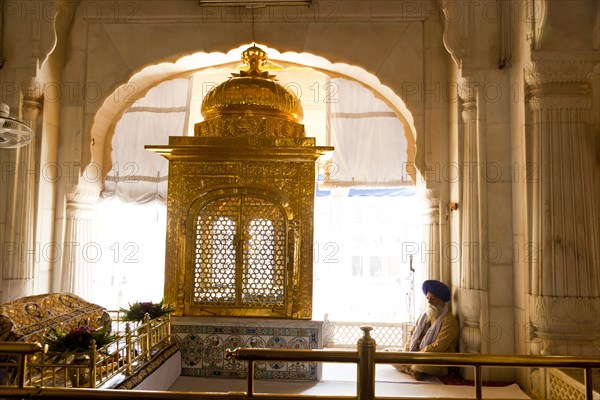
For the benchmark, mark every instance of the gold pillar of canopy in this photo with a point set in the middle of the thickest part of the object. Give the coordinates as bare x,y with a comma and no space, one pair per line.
240,203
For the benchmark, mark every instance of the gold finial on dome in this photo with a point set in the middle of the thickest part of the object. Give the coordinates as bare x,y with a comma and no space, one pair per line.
255,58
251,103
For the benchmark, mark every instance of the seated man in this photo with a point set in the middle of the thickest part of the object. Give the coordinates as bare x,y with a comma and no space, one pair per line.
436,330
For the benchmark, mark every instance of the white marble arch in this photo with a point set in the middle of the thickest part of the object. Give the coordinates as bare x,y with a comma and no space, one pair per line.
137,86
102,46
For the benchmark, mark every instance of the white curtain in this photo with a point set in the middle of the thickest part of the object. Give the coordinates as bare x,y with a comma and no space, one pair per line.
138,175
369,140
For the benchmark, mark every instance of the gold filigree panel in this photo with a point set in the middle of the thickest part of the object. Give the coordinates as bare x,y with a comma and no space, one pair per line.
240,254
263,273
215,253
236,126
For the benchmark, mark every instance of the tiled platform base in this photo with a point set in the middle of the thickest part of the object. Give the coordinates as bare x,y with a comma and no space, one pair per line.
203,342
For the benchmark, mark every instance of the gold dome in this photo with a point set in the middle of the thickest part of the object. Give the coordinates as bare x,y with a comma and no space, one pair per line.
252,90
251,103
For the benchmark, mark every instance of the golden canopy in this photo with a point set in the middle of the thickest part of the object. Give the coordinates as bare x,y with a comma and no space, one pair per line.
241,203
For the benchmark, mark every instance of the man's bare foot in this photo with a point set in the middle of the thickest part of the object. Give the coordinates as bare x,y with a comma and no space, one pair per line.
419,375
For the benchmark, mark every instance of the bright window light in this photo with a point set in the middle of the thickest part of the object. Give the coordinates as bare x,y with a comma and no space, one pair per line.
362,248
363,238
132,263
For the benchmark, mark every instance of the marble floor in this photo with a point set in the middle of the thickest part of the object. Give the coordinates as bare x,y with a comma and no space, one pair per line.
340,379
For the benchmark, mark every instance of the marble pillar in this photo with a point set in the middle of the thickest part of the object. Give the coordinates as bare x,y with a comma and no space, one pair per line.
79,251
564,265
473,281
431,236
19,250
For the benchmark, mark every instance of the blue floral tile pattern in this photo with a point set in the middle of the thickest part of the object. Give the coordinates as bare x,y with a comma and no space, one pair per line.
233,342
256,342
298,343
203,347
277,342
213,352
191,350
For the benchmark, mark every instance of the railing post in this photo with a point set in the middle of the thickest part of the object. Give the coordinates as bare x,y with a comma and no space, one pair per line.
92,365
128,350
169,328
22,369
589,388
147,350
478,383
250,378
366,365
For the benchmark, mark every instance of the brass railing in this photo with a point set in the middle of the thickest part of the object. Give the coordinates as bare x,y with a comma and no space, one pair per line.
21,351
131,348
365,357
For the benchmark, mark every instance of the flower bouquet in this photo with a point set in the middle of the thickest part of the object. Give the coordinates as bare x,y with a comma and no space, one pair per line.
137,310
73,347
62,344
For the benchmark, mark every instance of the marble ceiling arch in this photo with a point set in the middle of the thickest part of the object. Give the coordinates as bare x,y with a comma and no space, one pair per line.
117,102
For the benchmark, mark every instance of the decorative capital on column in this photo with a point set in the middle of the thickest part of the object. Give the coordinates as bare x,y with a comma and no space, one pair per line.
467,89
563,323
32,101
570,316
81,199
559,83
469,306
431,210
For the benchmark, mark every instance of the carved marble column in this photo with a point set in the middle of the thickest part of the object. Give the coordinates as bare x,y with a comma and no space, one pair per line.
564,296
18,244
431,236
473,263
80,252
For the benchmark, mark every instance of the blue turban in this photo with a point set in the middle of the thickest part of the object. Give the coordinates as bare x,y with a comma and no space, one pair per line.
438,289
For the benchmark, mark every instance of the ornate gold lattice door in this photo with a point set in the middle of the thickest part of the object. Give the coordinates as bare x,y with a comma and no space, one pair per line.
239,257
